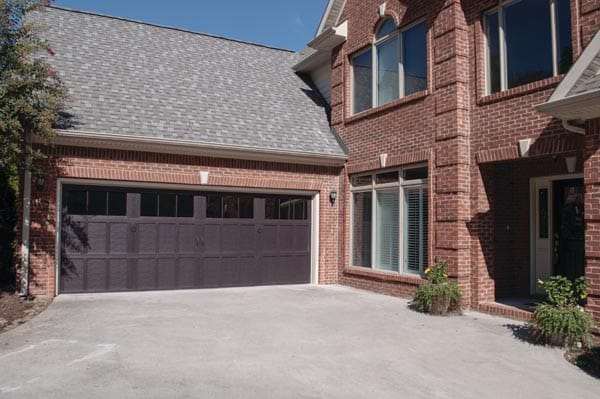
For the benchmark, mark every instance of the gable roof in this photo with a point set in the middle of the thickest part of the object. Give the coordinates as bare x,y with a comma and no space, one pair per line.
577,97
136,81
331,15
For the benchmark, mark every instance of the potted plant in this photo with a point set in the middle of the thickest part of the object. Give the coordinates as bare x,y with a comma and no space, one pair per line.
437,295
561,320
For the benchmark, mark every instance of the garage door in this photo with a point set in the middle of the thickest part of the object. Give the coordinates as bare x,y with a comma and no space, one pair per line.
118,239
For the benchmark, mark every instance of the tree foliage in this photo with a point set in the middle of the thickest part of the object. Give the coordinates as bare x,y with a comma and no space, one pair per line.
31,93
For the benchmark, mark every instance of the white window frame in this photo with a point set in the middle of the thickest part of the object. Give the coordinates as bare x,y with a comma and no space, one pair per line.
502,43
372,188
374,66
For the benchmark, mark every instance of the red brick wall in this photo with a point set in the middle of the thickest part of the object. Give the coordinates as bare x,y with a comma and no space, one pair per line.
451,123
129,166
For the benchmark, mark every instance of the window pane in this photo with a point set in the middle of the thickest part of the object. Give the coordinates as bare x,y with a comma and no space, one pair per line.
388,177
149,204
97,202
414,58
246,207
76,202
167,205
300,209
565,46
387,27
362,71
285,209
528,42
416,218
117,203
185,205
415,174
213,206
359,181
271,208
230,207
387,71
387,230
493,40
361,229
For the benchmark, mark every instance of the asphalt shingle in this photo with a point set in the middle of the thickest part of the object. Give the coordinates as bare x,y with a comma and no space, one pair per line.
131,78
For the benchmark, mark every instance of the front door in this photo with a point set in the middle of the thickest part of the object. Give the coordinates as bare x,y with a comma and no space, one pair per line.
557,229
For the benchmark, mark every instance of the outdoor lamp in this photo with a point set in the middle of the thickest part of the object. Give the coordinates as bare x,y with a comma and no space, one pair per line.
332,195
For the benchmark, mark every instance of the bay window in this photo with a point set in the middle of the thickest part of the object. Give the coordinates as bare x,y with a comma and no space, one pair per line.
389,226
527,41
395,66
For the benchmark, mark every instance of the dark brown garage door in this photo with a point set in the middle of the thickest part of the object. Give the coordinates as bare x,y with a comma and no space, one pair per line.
115,239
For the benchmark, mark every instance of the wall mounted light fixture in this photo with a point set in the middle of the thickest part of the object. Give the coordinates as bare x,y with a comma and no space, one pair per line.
571,163
332,195
39,182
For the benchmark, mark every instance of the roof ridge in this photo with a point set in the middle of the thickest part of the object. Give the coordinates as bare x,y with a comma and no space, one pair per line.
169,27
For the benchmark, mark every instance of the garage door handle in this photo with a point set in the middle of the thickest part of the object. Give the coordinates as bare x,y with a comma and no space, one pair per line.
133,229
199,242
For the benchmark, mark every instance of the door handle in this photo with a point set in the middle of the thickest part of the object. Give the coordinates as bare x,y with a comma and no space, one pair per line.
133,229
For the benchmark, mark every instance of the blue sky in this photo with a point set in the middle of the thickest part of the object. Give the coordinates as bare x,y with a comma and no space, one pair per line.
288,24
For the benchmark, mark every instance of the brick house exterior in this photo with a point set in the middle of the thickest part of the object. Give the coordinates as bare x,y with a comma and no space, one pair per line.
478,181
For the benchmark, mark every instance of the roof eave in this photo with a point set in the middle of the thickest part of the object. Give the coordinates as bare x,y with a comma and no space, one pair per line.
323,43
189,147
583,106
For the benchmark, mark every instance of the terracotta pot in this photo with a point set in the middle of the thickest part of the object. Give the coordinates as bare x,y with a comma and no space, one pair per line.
440,305
555,340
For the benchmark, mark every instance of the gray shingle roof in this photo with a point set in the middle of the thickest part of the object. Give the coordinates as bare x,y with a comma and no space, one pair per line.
137,79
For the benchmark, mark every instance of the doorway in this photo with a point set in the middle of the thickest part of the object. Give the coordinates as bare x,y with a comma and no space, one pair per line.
557,228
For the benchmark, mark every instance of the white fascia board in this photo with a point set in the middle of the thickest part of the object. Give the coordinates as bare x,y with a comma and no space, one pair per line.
330,38
189,147
583,106
580,66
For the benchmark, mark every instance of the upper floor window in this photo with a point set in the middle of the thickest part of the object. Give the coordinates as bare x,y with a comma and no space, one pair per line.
395,66
527,40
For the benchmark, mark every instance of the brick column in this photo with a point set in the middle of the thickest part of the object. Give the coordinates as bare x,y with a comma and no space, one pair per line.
451,165
591,171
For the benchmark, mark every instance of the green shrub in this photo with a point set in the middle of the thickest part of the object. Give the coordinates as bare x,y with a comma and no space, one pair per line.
560,320
438,295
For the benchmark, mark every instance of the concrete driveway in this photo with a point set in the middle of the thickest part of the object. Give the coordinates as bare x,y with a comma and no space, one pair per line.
273,342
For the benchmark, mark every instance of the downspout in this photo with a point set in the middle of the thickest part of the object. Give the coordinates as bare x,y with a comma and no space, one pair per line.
570,126
26,224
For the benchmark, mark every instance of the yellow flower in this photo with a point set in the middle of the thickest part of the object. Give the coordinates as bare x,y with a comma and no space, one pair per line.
427,271
540,282
583,296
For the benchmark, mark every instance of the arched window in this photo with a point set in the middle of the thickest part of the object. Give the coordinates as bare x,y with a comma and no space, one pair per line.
395,66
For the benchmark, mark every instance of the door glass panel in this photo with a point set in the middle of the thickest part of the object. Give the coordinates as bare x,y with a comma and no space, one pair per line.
117,203
271,208
230,207
213,206
300,209
76,202
97,202
149,204
285,209
387,230
543,212
167,205
361,229
185,205
246,207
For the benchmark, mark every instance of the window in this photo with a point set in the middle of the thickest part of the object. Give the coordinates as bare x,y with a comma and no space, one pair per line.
527,40
395,66
389,228
286,208
230,206
95,202
166,205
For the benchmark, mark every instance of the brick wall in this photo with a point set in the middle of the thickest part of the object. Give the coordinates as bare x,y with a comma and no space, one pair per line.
129,166
459,130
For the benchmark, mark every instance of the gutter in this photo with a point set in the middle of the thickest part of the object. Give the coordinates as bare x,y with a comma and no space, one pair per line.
26,226
79,138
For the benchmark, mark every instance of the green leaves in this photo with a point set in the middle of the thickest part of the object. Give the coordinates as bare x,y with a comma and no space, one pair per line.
564,292
31,93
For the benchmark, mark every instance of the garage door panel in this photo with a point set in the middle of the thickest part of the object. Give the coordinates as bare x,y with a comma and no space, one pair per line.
74,238
118,238
212,238
96,275
211,272
301,238
186,242
186,273
230,238
269,238
147,238
230,272
250,272
146,271
118,270
167,238
247,238
167,273
96,232
72,274
286,238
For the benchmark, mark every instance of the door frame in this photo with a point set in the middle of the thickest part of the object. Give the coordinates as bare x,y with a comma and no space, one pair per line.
315,201
533,210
